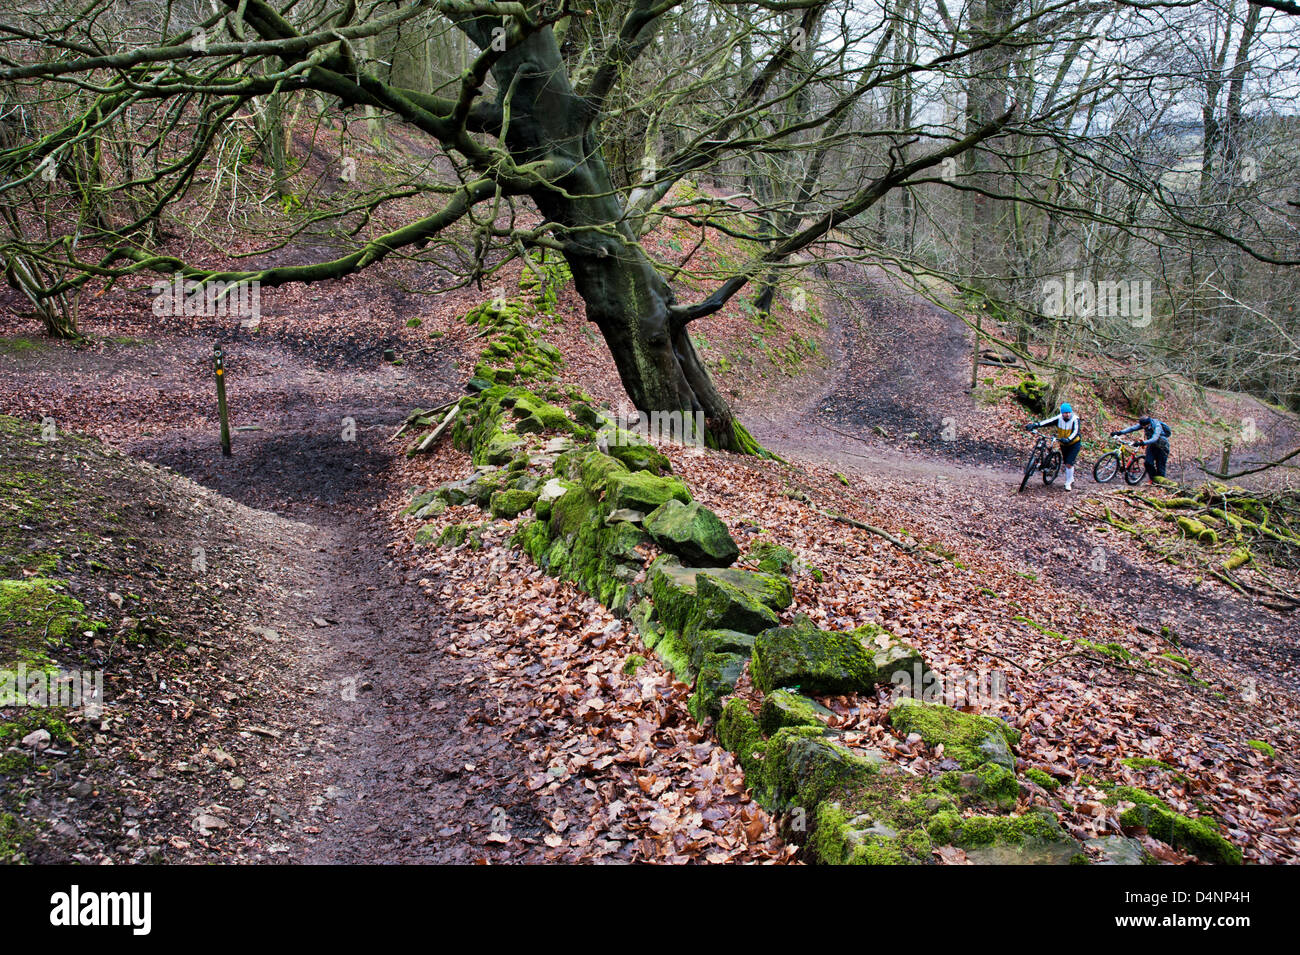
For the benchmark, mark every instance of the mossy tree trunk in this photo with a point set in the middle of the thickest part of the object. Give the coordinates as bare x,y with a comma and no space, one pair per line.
625,295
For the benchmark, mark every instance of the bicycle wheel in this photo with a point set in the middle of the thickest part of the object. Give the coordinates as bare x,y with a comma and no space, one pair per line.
1030,467
1051,467
1107,466
1136,471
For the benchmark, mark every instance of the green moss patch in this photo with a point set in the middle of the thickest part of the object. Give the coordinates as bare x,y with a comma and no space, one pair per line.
1200,836
643,491
783,708
509,504
968,738
36,617
1042,778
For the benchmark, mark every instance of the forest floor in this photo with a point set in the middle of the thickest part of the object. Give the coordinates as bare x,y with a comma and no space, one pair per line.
378,713
335,693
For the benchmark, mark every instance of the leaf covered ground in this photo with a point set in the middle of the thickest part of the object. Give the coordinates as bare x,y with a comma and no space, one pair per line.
500,715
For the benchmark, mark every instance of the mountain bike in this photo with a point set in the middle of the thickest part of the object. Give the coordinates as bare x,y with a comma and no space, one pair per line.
1120,459
1044,457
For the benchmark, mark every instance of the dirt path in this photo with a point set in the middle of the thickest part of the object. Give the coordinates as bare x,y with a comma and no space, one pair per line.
398,760
394,711
900,363
895,392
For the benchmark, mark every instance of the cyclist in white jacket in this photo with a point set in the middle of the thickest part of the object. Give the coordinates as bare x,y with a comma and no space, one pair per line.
1067,433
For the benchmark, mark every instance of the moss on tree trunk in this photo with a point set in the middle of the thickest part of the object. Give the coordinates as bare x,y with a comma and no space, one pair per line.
625,295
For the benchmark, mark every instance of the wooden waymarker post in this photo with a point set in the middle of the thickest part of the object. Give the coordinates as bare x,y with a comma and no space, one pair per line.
220,369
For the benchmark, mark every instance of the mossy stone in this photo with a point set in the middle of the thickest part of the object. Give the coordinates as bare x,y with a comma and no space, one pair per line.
968,738
498,448
783,708
738,731
891,655
595,469
511,503
721,605
535,415
571,511
801,767
1035,838
771,590
718,641
1200,835
672,588
777,559
454,535
818,662
692,532
637,456
717,677
839,838
643,491
988,782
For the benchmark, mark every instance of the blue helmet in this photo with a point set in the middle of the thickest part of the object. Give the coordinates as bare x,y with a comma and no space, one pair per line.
1066,409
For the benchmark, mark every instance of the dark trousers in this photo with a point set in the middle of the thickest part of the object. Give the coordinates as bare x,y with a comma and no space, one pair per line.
1156,459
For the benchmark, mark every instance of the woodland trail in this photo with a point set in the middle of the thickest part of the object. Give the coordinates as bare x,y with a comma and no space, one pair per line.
407,752
410,767
402,761
900,362
424,711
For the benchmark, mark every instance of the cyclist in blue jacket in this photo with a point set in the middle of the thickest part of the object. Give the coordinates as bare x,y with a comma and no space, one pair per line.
1156,435
1067,433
